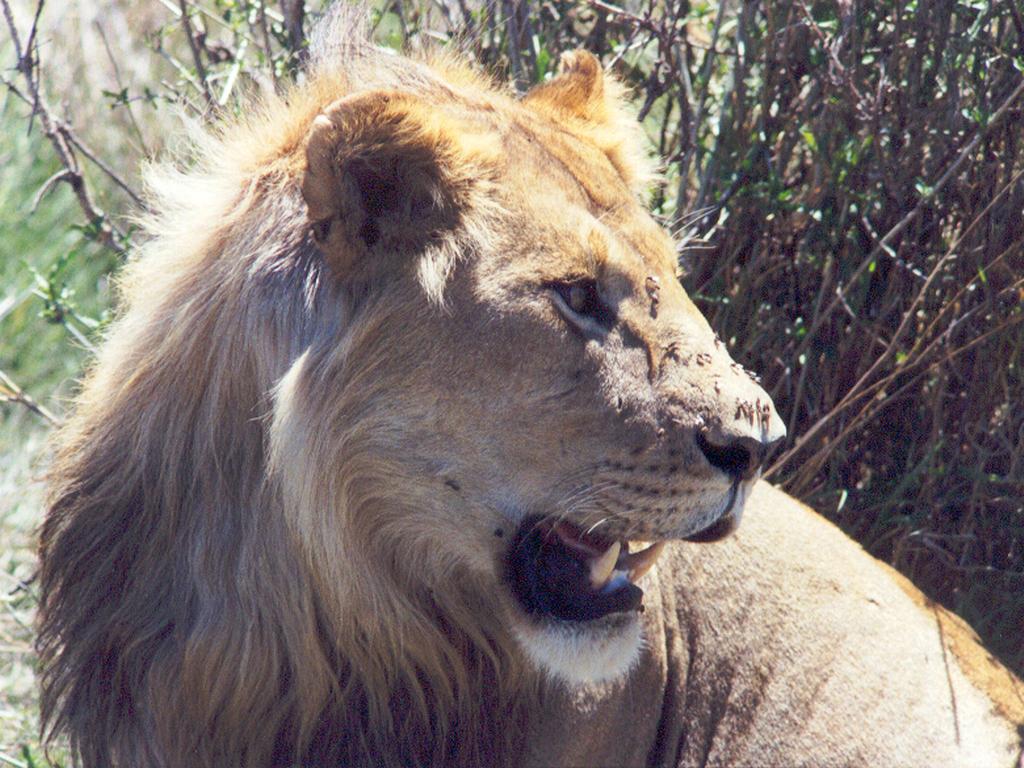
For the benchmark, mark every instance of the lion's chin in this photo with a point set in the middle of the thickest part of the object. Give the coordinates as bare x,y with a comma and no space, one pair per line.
579,593
580,653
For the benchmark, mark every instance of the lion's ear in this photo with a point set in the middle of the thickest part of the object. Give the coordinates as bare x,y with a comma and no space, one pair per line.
582,97
578,91
385,174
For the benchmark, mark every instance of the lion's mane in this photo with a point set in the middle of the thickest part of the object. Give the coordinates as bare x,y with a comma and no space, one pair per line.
183,621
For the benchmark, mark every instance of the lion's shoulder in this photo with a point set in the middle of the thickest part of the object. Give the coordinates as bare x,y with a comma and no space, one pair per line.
791,584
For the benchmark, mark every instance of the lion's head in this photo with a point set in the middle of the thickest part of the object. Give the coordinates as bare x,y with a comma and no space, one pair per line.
401,375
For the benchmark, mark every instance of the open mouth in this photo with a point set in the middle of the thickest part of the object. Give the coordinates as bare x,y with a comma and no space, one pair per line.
557,569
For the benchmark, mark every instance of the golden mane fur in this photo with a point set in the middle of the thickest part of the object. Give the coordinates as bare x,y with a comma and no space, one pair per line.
182,623
278,513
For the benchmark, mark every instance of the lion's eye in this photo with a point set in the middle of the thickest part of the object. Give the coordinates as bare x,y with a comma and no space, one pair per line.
581,304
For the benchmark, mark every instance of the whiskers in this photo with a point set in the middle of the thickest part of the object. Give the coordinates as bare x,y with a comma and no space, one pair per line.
586,505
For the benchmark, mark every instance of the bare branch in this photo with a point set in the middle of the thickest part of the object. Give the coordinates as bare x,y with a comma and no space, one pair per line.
12,393
294,16
197,58
99,163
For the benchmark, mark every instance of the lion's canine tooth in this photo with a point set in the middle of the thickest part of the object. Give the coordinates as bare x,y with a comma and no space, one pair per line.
641,562
601,568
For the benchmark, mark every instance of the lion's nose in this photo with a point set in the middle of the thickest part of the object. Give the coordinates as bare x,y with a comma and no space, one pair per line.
740,458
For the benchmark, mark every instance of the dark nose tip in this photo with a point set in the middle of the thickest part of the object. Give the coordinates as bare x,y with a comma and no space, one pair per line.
740,458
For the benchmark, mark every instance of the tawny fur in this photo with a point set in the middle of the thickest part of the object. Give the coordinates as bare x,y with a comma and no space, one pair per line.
276,516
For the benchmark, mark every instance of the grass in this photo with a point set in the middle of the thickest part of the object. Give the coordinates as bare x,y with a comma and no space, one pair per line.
19,512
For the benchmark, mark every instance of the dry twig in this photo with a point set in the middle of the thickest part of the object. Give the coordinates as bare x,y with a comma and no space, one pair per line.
12,393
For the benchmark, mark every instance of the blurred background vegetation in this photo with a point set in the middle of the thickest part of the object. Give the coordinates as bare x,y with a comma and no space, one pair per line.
847,175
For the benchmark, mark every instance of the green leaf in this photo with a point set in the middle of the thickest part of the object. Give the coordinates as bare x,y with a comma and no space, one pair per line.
809,139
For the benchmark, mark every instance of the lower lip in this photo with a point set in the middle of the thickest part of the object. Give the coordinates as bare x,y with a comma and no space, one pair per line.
722,527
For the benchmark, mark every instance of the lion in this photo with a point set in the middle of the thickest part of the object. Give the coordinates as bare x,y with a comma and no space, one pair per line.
408,448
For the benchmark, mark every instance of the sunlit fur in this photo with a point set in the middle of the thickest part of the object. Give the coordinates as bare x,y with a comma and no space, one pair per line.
245,561
182,623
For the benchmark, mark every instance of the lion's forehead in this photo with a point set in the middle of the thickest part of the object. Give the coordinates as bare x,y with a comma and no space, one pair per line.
598,225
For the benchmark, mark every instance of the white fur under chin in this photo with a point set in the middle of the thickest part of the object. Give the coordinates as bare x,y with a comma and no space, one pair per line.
586,652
